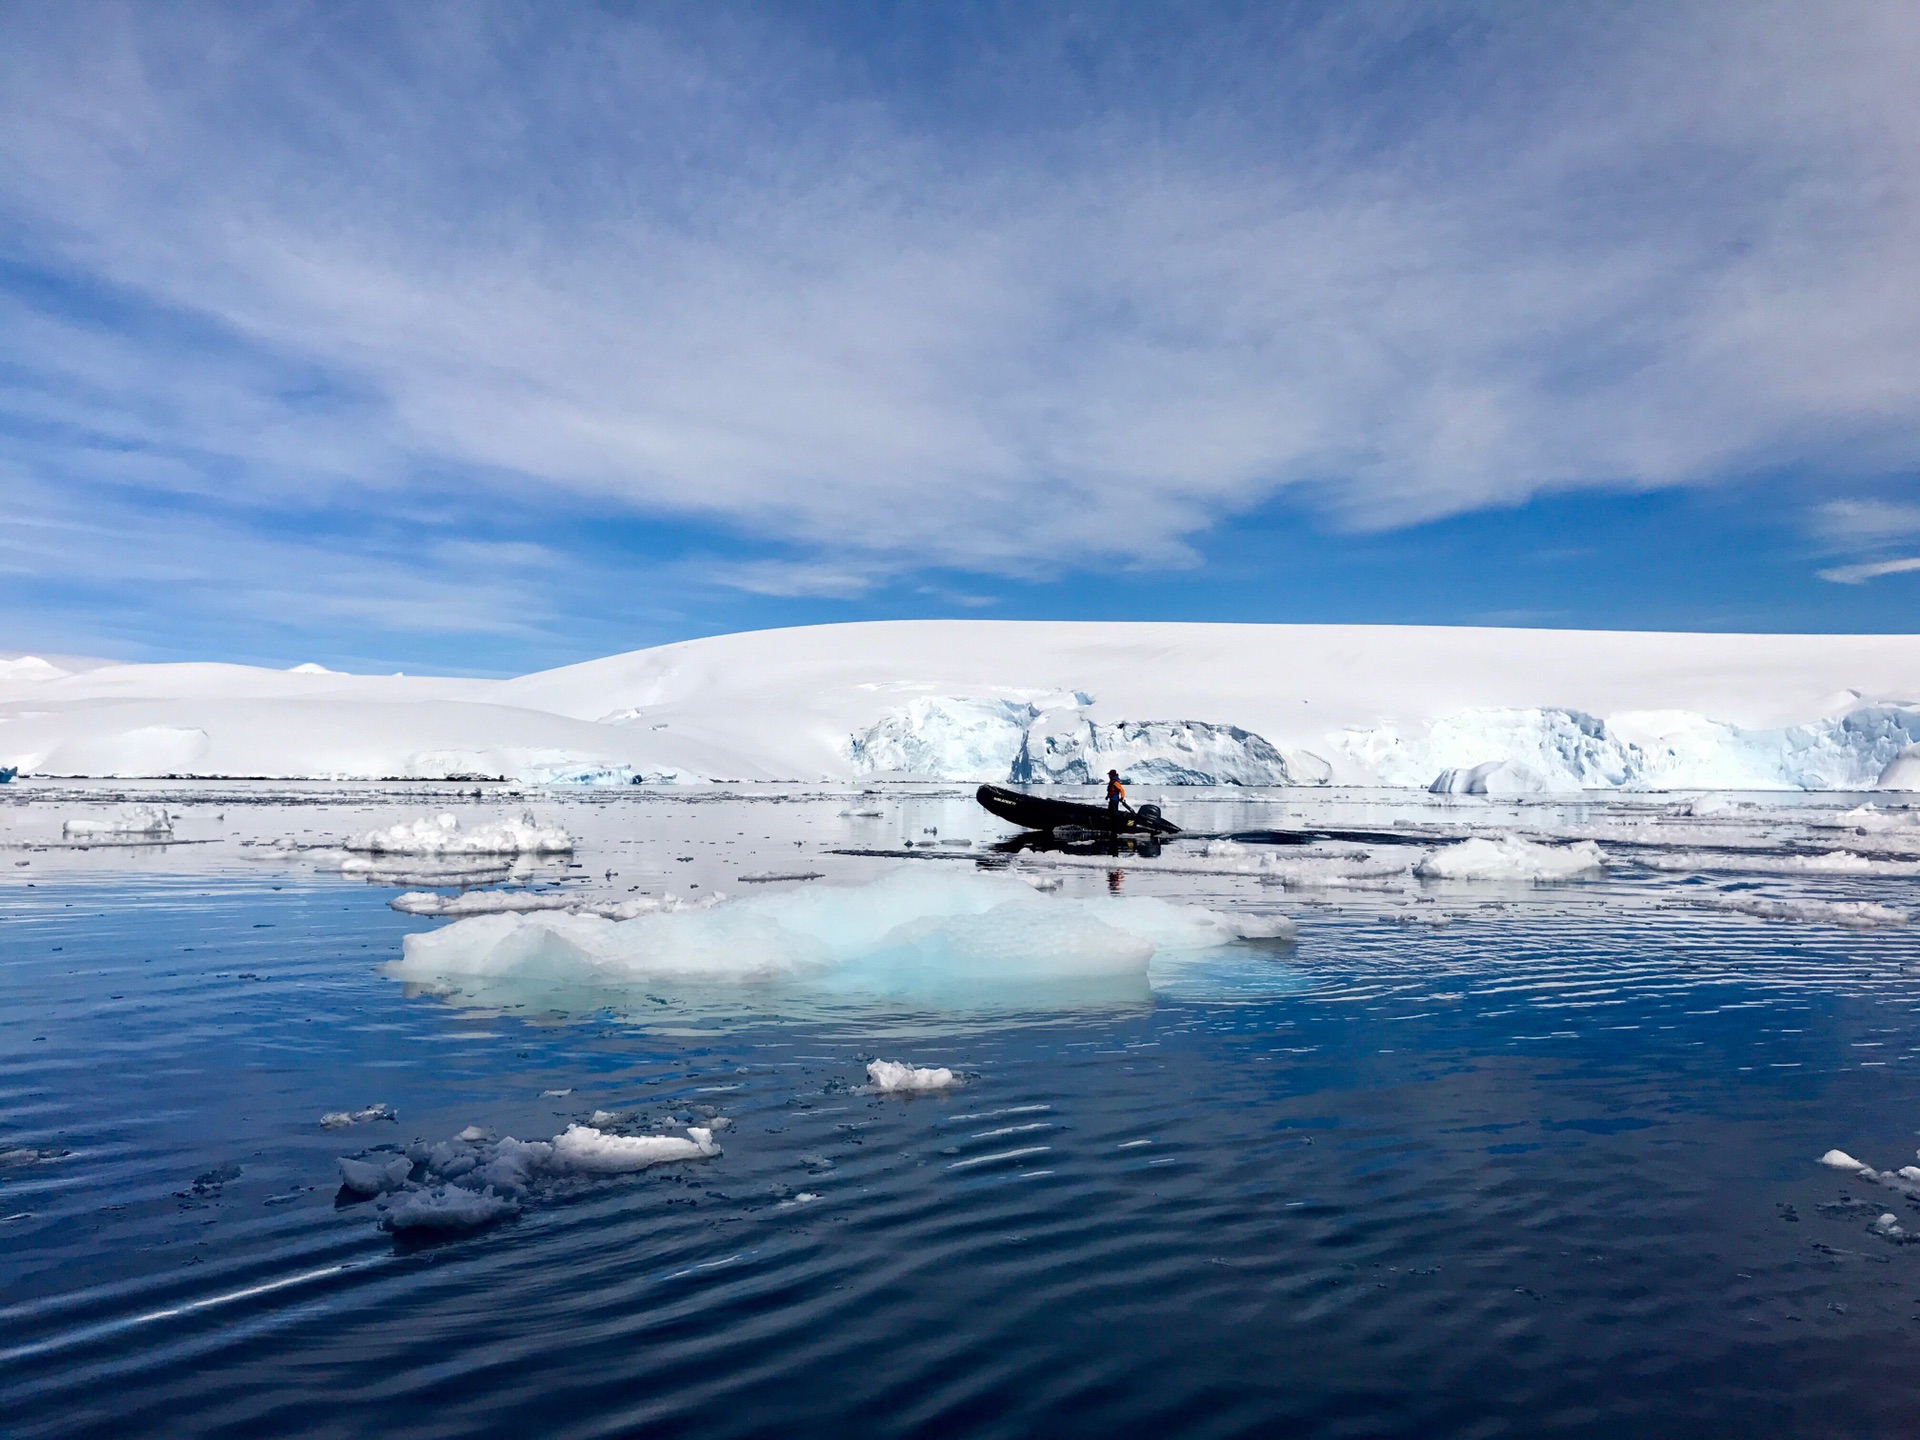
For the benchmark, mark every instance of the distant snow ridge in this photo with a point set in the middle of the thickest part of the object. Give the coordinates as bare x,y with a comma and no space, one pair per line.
442,835
1019,742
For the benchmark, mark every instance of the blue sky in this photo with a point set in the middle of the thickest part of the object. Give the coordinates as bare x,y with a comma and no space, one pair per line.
485,337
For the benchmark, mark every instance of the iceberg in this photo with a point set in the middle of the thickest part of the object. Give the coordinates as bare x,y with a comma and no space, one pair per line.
910,931
1489,777
1902,772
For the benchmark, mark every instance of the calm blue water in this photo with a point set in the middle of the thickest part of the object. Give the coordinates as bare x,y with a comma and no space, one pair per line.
1545,1170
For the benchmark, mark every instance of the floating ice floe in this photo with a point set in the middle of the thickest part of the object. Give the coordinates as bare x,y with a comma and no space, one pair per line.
1907,1177
442,835
130,821
1826,862
520,902
480,902
892,1077
908,931
1870,819
1852,914
1511,858
340,1119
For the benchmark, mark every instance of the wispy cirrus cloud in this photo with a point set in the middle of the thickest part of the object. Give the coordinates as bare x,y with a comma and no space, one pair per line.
1871,570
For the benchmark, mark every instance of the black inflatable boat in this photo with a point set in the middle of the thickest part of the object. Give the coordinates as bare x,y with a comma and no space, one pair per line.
1038,812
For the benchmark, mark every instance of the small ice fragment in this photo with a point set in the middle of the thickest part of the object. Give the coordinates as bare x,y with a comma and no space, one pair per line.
1262,927
1840,1160
374,1174
719,1122
556,1094
585,1149
338,1119
1887,1222
1043,882
447,1208
600,1119
473,1134
1909,1172
891,1077
817,1162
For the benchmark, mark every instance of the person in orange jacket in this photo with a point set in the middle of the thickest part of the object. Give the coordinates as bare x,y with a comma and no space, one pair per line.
1116,795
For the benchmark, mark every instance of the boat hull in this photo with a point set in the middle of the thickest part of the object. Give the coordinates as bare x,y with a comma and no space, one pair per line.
1040,812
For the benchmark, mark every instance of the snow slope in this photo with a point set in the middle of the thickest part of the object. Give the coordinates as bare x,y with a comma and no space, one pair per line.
1033,701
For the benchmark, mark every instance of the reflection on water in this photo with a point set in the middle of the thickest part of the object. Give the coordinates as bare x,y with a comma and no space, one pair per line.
1461,1160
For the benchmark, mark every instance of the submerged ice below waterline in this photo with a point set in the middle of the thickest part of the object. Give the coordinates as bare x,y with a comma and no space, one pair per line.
918,931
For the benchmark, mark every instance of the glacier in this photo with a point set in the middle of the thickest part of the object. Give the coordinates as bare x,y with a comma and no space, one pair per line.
1023,743
1553,751
1464,711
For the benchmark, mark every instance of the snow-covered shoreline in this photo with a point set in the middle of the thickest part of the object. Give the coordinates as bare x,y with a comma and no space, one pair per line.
1481,711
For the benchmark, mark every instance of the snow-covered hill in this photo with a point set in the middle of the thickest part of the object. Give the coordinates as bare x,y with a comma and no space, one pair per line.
1501,710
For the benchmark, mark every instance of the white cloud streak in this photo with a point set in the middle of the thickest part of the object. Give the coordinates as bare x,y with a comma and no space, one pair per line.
1860,574
728,275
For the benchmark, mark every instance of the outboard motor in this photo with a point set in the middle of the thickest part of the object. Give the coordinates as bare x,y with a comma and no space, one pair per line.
1149,813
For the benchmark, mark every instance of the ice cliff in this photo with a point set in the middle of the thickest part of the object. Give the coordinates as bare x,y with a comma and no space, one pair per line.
1028,743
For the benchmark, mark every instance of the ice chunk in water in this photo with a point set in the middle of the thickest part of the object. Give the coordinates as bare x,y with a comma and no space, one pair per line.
374,1174
513,1163
442,835
447,1208
1840,1160
890,1077
131,820
451,1159
339,1119
589,1151
1852,914
1511,858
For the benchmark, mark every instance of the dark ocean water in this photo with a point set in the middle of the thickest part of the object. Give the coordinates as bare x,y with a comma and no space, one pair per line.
1549,1170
